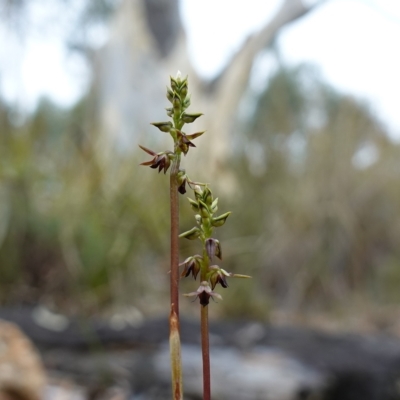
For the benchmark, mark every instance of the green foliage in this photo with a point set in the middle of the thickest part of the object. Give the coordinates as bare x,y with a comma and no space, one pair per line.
324,208
315,219
71,226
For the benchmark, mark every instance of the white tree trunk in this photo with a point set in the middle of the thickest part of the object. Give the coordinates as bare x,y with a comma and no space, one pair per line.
131,76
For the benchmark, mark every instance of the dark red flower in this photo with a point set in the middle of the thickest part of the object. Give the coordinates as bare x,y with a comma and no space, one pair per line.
182,179
162,160
184,141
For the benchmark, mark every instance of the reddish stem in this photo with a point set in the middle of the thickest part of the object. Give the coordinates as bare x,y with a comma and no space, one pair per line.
205,344
205,350
174,199
175,347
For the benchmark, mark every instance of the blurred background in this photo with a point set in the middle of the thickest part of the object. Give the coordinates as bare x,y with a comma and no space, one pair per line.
302,145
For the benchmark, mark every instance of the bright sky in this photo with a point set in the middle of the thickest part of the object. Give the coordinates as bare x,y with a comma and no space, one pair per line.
354,43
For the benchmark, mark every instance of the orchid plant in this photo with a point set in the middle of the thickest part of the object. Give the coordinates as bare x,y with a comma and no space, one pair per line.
205,207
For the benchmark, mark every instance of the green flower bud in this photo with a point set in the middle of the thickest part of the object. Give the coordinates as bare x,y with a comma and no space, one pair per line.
214,206
207,196
186,103
170,94
176,101
198,192
193,234
204,212
194,204
219,221
174,84
183,89
189,118
170,112
163,126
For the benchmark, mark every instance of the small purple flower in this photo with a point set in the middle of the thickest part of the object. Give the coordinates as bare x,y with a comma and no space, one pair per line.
204,293
213,248
182,180
191,266
162,161
219,275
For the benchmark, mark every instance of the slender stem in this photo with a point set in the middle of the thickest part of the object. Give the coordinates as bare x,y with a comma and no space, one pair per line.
174,200
205,343
205,350
175,346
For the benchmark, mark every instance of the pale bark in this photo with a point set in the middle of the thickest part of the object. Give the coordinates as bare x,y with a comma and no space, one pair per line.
132,72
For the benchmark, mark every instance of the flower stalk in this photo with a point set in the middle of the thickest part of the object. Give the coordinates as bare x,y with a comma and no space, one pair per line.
174,211
174,341
205,207
177,95
205,353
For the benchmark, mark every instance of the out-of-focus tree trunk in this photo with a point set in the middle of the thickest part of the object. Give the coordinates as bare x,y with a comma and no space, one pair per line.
147,44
